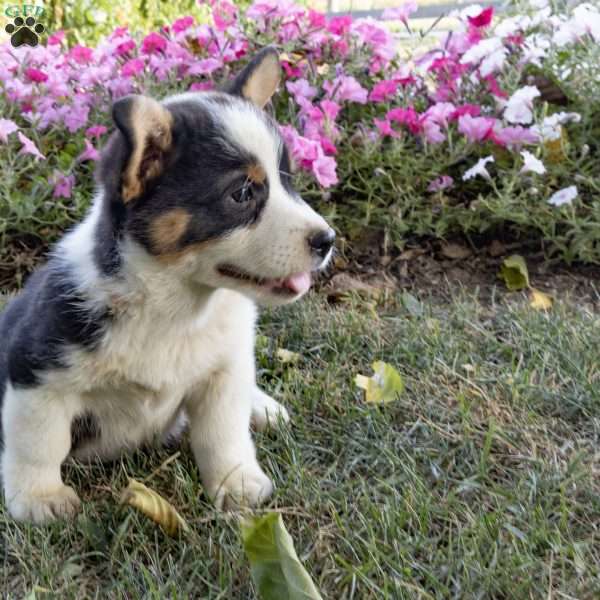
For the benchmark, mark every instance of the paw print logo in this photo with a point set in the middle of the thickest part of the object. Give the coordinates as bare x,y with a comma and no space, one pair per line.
24,31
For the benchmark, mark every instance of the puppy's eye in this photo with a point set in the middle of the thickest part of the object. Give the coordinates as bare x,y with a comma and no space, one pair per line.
244,194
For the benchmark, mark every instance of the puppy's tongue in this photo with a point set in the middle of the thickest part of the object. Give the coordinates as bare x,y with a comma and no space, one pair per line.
299,283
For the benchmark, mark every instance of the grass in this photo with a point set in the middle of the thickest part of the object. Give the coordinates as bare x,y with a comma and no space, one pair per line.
481,481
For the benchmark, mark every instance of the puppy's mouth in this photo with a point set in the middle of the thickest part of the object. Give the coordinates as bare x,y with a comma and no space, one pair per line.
293,285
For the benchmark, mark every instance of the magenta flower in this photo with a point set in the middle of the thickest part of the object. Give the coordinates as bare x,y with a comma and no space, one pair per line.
90,153
81,54
476,129
6,128
29,147
183,24
340,25
224,14
153,42
132,67
483,19
383,90
441,183
467,109
35,75
96,131
401,13
125,47
406,116
56,38
63,185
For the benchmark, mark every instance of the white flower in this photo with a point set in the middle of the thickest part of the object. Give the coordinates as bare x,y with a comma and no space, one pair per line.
494,62
520,104
564,196
588,17
531,163
479,169
550,127
482,50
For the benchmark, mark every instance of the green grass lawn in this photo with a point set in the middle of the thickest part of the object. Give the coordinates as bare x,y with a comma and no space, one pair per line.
481,481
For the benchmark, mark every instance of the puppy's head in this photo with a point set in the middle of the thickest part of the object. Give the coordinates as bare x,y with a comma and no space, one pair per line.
202,183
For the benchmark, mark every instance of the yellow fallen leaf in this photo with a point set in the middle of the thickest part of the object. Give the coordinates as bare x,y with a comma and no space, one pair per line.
384,386
287,356
323,69
539,300
154,506
555,148
514,272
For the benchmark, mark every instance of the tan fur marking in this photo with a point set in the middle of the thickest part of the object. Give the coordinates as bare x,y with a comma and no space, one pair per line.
151,124
166,230
263,82
256,173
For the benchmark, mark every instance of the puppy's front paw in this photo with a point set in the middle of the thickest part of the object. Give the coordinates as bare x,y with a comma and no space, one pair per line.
267,412
243,485
44,506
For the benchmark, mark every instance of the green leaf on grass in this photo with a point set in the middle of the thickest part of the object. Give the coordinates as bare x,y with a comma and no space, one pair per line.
385,385
411,304
514,272
276,570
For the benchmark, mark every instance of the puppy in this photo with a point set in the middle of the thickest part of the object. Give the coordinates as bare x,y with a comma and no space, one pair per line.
145,313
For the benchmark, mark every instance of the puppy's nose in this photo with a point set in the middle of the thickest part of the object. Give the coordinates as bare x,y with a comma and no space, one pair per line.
321,242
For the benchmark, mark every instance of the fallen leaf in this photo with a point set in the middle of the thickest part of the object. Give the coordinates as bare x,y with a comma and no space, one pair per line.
276,570
287,356
343,284
154,506
539,300
496,248
456,251
323,69
514,273
411,304
384,386
555,148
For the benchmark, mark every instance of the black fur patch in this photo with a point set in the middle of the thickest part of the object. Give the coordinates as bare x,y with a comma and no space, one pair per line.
204,174
37,325
84,428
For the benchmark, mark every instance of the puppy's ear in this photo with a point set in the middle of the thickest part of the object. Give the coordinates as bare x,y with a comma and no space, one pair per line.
259,79
147,127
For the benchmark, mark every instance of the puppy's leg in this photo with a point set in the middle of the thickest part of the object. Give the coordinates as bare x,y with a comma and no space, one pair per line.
266,412
220,437
37,438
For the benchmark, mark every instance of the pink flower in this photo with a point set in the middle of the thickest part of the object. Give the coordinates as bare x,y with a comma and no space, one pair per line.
75,116
330,109
441,113
441,183
63,185
29,147
467,109
201,86
81,54
6,128
483,19
385,128
383,90
494,87
514,137
35,75
182,24
346,88
132,67
224,14
153,42
316,20
323,169
432,132
301,89
206,66
476,129
401,13
96,131
90,153
328,146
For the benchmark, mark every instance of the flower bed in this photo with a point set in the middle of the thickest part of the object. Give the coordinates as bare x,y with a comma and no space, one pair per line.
496,128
